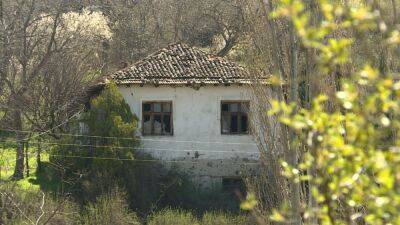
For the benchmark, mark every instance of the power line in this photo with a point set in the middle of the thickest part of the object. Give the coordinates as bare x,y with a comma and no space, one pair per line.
198,161
133,148
141,138
149,160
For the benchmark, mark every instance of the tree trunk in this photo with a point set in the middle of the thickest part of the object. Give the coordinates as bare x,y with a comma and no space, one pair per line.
230,43
38,159
19,162
293,150
27,158
394,12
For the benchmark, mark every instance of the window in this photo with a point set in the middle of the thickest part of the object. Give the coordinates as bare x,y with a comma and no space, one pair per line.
232,184
234,119
157,118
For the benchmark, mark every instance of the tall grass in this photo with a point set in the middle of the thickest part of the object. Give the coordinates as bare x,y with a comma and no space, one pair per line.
172,217
110,209
20,206
181,217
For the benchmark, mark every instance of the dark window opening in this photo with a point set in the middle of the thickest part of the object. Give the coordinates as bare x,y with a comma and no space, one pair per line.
233,184
243,124
157,118
225,107
234,124
234,119
166,124
147,107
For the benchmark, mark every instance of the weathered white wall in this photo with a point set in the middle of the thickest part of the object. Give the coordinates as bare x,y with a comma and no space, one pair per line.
197,140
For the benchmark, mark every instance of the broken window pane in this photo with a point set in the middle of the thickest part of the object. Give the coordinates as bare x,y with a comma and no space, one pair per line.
225,123
146,124
234,123
147,107
157,118
166,107
156,107
157,124
167,123
234,107
234,118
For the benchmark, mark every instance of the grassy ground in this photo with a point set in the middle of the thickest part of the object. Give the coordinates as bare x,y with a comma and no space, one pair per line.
36,180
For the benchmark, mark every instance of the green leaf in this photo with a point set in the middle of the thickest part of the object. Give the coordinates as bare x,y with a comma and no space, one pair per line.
249,203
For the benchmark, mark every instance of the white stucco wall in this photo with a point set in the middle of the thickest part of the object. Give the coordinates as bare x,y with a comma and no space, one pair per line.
196,128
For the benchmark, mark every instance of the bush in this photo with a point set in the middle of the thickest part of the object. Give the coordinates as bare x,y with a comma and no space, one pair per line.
110,209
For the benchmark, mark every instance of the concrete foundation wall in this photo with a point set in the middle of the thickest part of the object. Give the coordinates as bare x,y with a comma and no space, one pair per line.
197,140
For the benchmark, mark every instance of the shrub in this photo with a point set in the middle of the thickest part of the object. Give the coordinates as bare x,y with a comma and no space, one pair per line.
110,209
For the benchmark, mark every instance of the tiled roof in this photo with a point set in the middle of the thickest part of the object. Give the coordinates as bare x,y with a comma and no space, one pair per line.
181,64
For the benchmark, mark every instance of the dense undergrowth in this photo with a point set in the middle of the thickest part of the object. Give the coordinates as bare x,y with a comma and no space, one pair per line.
20,205
46,197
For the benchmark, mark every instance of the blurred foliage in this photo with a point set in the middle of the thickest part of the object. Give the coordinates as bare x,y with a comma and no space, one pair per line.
352,153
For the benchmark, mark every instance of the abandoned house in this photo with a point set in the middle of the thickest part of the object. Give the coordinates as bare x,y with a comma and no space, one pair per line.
193,113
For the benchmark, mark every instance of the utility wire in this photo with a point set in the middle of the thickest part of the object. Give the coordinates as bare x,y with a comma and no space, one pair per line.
141,139
148,160
140,160
132,148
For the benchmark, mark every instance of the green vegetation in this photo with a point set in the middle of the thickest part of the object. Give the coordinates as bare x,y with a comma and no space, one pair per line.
107,209
36,180
350,162
87,161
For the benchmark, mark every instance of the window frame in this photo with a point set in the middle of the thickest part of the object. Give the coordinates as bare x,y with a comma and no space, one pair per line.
161,113
239,113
